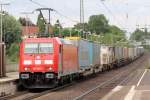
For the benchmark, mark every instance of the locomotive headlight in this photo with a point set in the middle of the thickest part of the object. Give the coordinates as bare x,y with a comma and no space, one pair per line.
27,69
27,62
24,76
50,75
48,61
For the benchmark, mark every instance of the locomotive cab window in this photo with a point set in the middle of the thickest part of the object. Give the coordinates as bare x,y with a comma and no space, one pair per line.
31,48
45,48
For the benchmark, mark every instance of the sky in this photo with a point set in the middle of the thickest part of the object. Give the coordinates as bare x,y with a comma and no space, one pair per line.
126,14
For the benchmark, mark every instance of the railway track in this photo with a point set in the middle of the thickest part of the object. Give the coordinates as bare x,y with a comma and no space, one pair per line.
84,90
120,79
28,95
113,82
106,82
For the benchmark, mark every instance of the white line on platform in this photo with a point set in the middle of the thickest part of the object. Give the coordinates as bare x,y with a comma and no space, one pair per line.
141,78
144,90
130,94
116,89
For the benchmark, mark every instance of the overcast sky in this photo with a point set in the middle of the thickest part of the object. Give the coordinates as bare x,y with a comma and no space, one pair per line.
124,13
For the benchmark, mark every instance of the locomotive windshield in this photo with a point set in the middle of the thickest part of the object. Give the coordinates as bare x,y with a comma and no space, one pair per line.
45,48
33,48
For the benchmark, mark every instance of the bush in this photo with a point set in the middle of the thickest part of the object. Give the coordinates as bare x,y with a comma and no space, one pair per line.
13,52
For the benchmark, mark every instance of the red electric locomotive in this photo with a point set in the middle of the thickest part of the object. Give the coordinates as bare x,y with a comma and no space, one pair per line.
45,62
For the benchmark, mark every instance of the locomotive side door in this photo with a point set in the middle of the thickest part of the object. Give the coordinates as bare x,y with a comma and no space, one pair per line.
60,70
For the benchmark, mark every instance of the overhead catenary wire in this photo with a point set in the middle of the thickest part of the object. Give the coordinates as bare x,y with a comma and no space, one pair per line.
37,3
66,17
109,11
57,12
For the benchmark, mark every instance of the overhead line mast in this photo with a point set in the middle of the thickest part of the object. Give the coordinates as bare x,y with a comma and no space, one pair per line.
2,4
49,22
82,16
82,13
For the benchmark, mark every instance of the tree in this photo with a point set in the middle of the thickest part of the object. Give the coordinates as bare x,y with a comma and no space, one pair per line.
138,35
98,24
41,24
57,28
79,26
11,30
66,32
26,22
117,33
74,32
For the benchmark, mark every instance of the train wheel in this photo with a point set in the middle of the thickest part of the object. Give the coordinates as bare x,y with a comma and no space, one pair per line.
20,87
108,67
102,69
61,82
70,78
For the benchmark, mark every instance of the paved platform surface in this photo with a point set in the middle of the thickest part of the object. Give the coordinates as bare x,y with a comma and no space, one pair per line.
138,88
10,77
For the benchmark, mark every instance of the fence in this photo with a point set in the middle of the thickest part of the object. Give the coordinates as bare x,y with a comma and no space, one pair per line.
2,60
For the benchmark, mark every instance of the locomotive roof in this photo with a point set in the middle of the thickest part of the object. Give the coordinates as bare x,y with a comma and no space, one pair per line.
42,40
59,40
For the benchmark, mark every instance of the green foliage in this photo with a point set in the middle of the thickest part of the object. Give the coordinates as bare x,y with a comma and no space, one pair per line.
11,30
116,30
11,35
41,24
74,32
138,35
79,26
108,39
101,31
13,52
70,31
98,24
66,32
57,28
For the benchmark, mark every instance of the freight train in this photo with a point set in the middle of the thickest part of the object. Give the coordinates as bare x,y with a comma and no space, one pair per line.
48,62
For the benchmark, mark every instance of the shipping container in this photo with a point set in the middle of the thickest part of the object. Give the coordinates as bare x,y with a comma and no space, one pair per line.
72,38
125,53
111,55
104,54
96,54
85,54
119,55
69,59
135,52
131,53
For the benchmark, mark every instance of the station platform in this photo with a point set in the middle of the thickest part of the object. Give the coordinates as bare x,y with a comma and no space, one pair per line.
138,88
10,77
8,84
